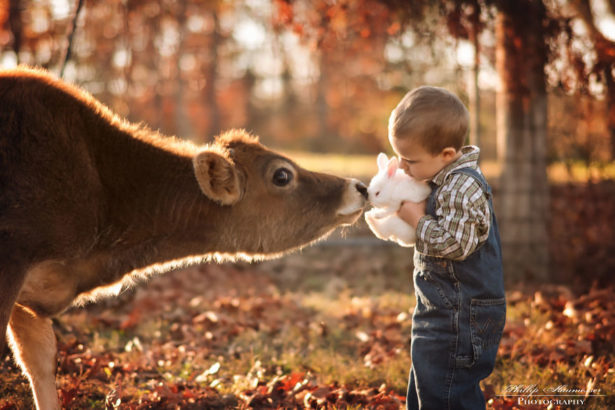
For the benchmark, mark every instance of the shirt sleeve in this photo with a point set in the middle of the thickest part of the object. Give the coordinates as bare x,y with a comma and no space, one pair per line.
462,220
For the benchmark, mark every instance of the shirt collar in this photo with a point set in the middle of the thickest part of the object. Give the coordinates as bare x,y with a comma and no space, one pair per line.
468,159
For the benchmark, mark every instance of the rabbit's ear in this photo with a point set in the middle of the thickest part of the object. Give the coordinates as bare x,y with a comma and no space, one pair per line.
392,167
382,161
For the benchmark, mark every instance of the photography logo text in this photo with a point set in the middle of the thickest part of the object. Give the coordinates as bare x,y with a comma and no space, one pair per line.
560,395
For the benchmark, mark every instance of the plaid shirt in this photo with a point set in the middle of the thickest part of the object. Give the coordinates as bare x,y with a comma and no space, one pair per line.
462,212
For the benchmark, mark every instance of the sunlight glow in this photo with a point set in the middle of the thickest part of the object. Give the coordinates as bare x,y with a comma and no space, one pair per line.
8,60
60,9
249,34
393,52
605,20
465,53
607,27
121,58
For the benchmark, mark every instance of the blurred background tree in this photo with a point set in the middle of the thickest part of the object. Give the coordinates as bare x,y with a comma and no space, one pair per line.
323,76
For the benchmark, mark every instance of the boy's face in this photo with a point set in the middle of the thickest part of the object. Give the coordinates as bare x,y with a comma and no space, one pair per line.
418,162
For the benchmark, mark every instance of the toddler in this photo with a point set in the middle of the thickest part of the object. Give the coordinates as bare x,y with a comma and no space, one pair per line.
458,280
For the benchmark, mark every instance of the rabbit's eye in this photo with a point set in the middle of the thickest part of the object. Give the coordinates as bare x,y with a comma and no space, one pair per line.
377,193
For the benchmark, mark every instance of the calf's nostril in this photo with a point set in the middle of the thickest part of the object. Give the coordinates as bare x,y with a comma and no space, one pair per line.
362,189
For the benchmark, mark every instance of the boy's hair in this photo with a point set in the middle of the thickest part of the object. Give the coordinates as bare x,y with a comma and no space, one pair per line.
433,117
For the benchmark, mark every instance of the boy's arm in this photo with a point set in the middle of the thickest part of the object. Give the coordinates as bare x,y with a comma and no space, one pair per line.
462,220
412,212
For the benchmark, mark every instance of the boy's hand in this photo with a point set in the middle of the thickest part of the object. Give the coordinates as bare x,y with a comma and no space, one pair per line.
412,212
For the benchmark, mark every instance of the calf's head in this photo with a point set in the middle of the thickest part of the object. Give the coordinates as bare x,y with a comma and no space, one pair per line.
268,204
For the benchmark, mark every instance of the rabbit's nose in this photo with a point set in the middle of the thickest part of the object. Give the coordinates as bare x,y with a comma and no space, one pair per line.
361,188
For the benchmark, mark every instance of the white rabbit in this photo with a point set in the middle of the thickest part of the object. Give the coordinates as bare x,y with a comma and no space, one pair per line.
387,190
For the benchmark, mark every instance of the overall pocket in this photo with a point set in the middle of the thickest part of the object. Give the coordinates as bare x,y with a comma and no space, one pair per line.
439,266
434,281
487,319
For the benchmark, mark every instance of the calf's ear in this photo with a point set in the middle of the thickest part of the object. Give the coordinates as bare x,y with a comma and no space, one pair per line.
217,177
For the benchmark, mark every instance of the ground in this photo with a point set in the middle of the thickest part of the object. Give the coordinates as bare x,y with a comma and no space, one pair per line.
329,327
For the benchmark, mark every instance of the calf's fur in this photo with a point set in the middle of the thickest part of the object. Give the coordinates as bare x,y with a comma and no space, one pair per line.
89,201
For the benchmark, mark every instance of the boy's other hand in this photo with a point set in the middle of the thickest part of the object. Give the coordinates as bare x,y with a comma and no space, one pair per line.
412,212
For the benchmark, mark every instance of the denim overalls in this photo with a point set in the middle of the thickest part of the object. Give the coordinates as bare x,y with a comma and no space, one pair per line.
458,321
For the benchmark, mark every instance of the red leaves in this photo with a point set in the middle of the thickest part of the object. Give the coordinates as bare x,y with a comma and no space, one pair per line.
68,394
575,329
339,397
297,390
339,26
228,336
289,382
172,343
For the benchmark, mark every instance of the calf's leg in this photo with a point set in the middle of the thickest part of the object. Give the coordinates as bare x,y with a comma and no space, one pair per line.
33,343
11,281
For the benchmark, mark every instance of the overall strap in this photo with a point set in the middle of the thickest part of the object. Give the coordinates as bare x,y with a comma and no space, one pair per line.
477,176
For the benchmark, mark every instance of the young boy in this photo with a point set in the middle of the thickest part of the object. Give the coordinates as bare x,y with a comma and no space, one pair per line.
460,307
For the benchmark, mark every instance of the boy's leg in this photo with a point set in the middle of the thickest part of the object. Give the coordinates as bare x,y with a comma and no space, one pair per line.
434,341
437,382
466,392
412,401
433,367
481,324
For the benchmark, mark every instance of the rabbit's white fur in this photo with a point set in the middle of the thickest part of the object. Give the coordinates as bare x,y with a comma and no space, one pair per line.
387,190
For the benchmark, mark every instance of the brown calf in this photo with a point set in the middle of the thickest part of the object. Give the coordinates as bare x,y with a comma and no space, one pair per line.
88,202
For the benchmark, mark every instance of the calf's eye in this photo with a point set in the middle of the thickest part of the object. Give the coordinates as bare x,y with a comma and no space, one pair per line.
282,177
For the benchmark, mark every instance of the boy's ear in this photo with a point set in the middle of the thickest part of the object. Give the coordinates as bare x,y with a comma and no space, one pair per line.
392,167
217,177
382,161
448,153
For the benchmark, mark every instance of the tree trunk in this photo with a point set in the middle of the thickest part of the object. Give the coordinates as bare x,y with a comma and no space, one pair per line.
71,35
212,76
322,107
610,106
521,135
16,25
474,86
154,61
183,127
